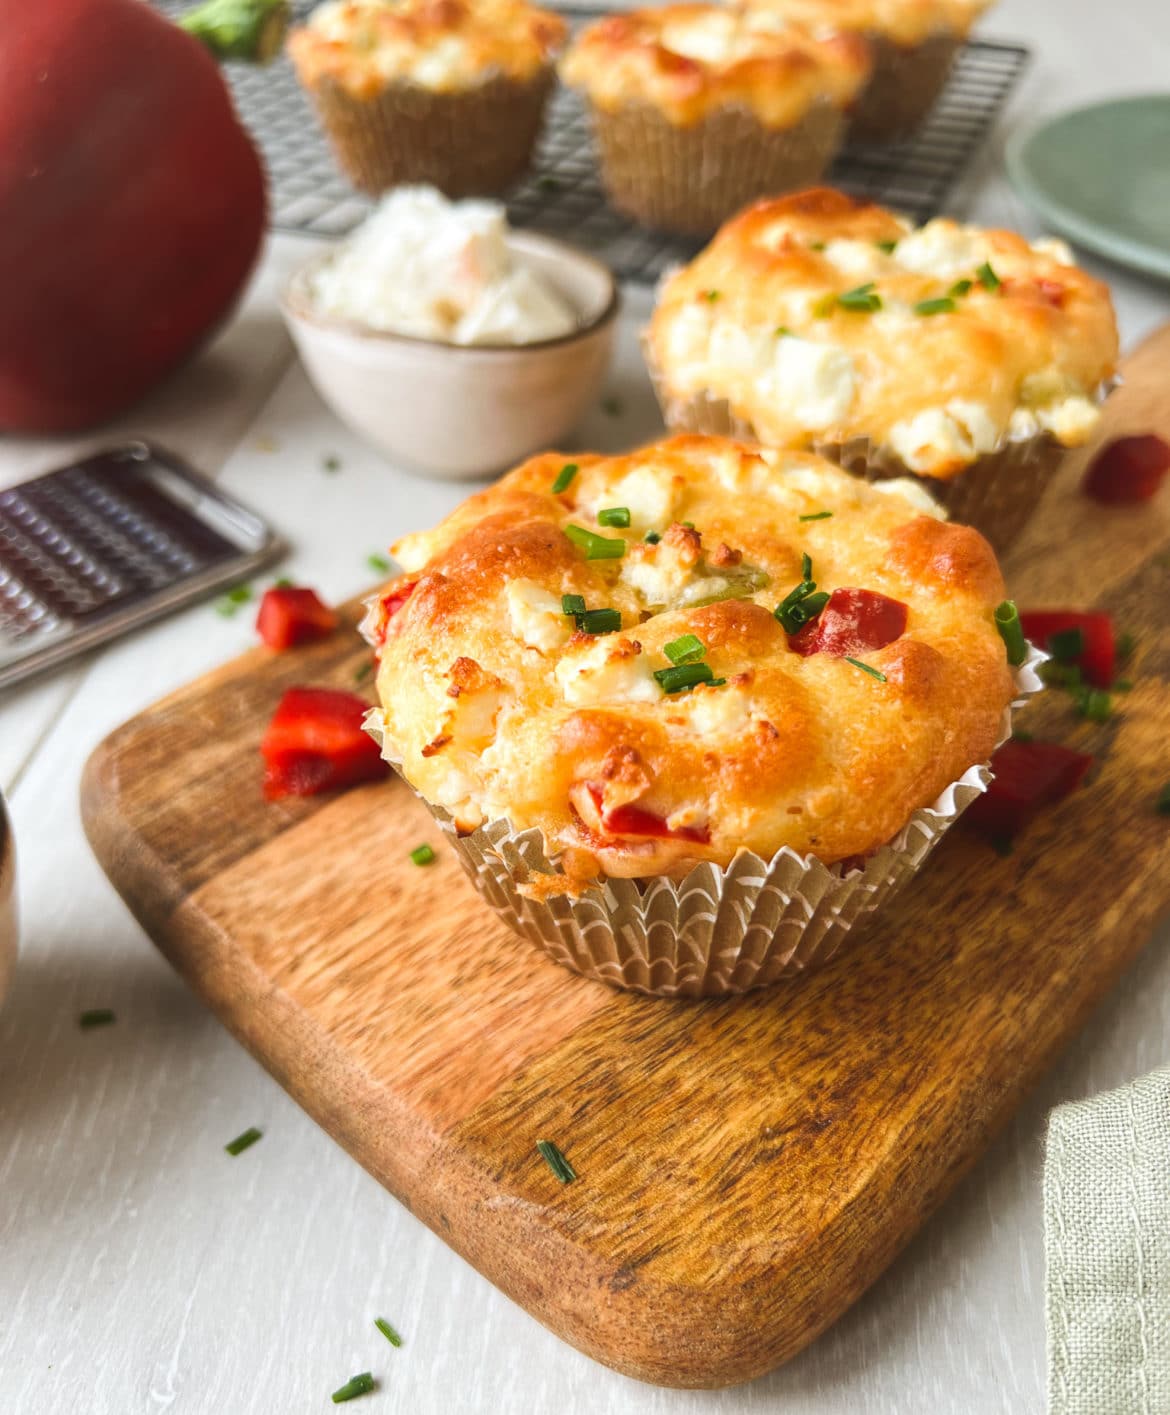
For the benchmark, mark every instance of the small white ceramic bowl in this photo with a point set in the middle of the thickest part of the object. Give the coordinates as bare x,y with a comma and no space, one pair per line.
454,410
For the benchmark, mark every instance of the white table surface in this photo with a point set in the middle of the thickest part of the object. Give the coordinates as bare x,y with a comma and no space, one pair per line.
142,1269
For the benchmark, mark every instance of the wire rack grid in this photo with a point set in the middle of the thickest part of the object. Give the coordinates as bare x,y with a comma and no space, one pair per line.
562,194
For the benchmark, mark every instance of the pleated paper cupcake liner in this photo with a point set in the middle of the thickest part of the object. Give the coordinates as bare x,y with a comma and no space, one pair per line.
719,930
905,85
996,494
691,179
474,142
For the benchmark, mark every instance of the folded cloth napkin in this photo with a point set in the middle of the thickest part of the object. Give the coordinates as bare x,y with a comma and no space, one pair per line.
1107,1251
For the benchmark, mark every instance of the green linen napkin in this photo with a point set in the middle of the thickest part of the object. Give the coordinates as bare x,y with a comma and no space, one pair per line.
1107,1251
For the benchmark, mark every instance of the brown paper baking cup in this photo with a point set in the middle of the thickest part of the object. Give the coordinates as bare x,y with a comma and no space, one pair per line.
471,143
996,494
718,930
690,179
903,88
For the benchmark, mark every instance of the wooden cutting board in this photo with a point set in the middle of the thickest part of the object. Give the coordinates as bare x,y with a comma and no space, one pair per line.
746,1168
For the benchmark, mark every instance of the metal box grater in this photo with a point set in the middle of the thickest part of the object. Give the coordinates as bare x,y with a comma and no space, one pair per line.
99,547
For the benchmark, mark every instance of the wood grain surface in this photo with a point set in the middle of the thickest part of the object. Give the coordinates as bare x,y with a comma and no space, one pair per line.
746,1168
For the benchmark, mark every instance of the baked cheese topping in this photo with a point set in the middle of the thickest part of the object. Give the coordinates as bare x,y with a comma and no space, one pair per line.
689,59
905,22
819,319
442,45
630,690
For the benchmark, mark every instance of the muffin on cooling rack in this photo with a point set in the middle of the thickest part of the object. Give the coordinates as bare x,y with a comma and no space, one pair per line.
690,712
445,92
967,358
912,42
698,108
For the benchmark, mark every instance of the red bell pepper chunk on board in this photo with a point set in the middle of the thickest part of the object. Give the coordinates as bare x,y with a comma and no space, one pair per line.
290,615
1098,657
853,622
1127,470
315,743
1028,776
636,821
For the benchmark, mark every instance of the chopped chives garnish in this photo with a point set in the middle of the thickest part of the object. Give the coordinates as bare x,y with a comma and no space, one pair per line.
1162,804
987,277
1123,685
1060,675
961,287
422,854
564,478
572,604
816,245
943,305
356,1385
711,295
387,1331
1095,704
687,525
363,671
1019,735
379,563
806,566
611,407
283,583
244,1141
596,547
782,330
614,516
1126,643
683,676
862,300
652,537
1007,621
556,1161
228,603
803,610
688,649
865,668
817,516
95,1017
600,621
1066,644
331,463
888,246
825,306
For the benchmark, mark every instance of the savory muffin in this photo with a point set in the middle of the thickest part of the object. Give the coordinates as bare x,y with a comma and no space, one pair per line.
698,108
912,43
966,357
700,651
445,92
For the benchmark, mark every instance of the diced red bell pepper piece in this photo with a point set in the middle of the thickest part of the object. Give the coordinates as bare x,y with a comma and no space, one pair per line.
636,821
388,606
1127,470
1097,659
290,615
853,622
1028,776
315,743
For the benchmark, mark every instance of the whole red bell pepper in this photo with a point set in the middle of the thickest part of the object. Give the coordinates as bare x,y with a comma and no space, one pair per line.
132,202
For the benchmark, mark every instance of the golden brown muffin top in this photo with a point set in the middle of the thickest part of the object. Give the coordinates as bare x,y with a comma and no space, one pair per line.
442,45
506,694
906,22
689,59
819,319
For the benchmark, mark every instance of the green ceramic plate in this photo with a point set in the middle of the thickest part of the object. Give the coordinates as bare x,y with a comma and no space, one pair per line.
1101,176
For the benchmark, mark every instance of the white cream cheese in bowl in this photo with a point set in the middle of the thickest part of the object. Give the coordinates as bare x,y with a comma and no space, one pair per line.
456,346
440,270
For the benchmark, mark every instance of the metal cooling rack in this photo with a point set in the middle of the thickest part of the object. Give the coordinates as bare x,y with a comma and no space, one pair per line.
563,195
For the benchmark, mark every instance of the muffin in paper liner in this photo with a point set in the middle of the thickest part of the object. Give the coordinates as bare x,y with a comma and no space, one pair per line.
471,142
718,930
996,494
905,85
690,178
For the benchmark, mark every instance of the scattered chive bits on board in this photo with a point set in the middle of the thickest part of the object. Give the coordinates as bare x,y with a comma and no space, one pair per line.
1162,805
331,463
422,854
553,1156
387,1331
243,1142
95,1017
379,563
564,478
361,1384
229,604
